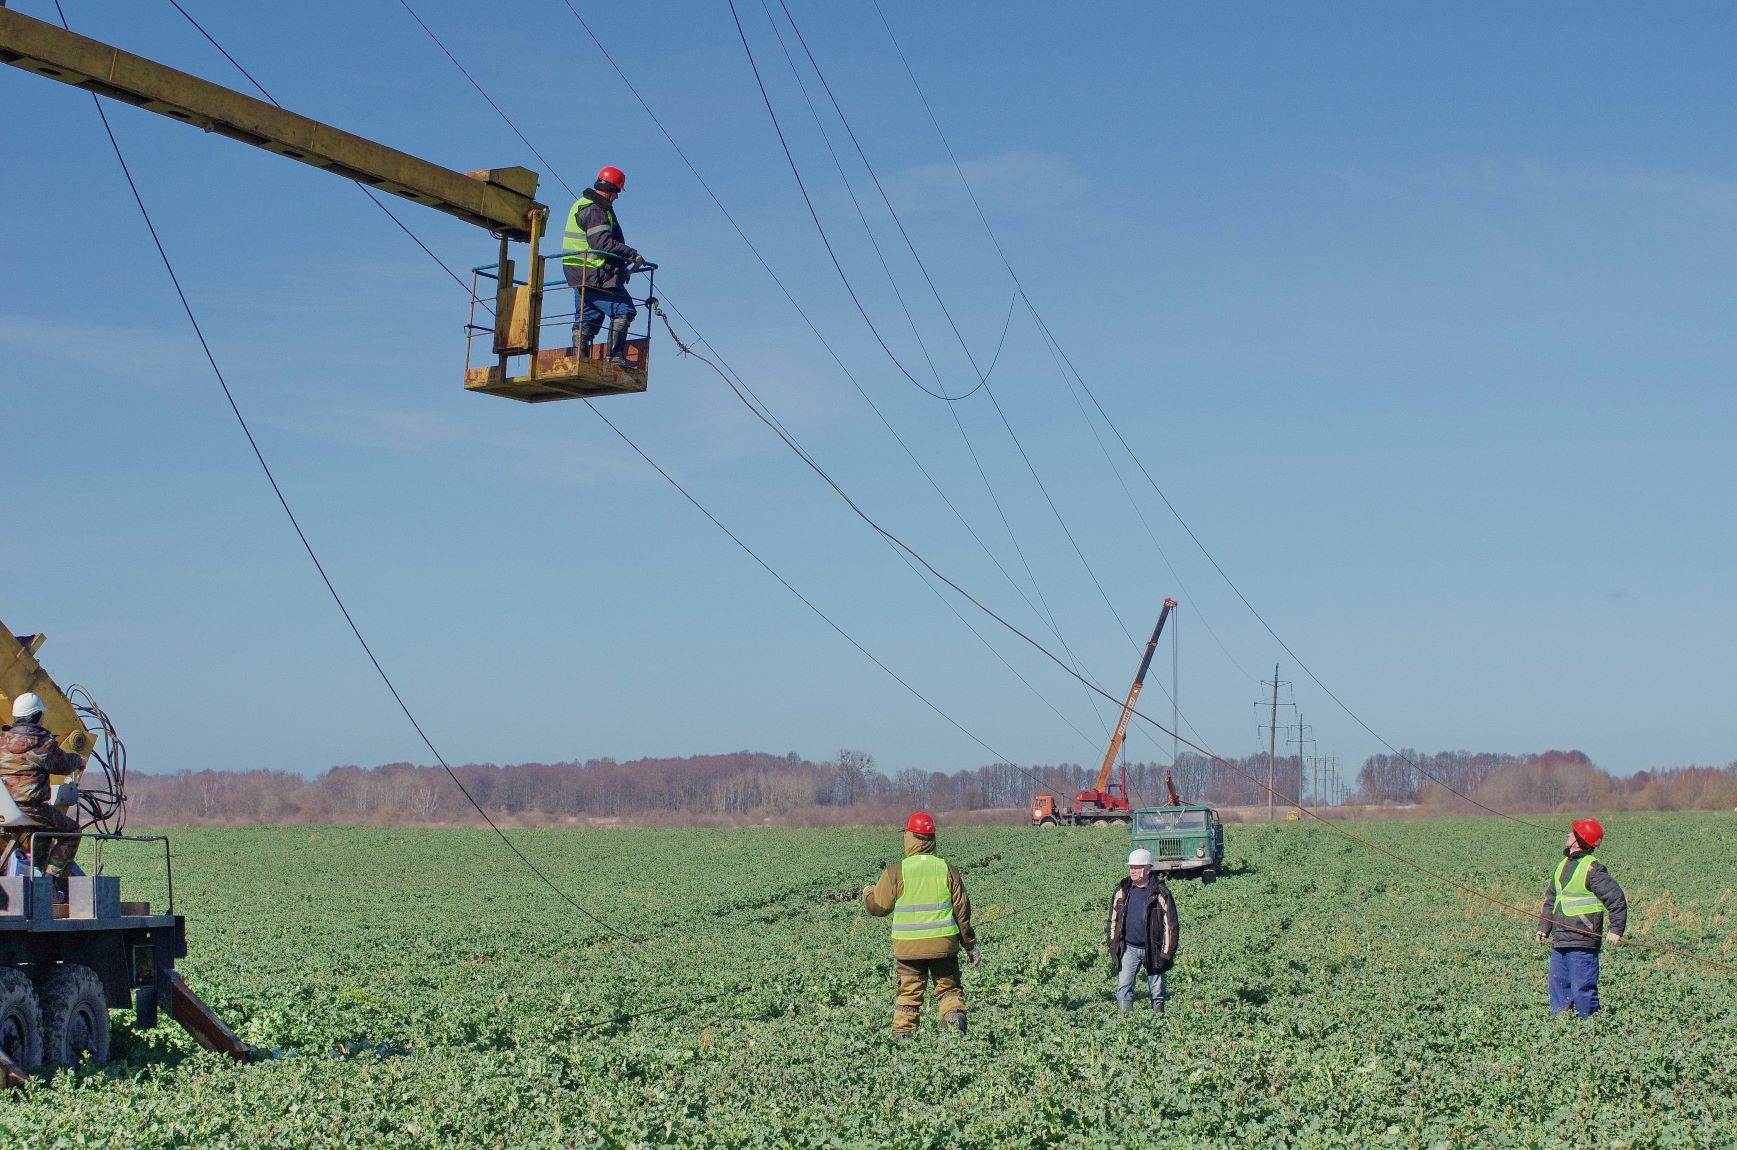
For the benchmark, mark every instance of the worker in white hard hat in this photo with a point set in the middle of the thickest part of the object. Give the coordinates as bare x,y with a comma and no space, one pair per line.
28,755
1141,931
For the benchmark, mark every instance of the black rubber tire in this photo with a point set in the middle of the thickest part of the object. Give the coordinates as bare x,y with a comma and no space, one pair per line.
1209,876
20,1019
75,1016
1042,823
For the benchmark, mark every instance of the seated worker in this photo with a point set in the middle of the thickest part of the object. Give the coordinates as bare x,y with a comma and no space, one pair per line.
28,755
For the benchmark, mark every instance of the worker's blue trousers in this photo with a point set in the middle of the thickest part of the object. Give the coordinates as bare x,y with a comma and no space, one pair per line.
601,306
1574,981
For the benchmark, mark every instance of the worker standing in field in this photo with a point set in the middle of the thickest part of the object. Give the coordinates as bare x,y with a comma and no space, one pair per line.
931,916
28,755
1577,896
1141,931
598,263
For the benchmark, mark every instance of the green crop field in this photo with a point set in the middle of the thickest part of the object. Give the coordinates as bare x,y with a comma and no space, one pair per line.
426,991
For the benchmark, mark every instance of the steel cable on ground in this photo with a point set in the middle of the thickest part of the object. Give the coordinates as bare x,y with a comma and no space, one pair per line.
373,196
307,546
1050,336
970,448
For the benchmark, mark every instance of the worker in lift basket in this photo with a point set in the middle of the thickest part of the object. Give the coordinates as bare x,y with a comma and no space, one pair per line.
1141,931
1577,896
598,263
931,916
28,755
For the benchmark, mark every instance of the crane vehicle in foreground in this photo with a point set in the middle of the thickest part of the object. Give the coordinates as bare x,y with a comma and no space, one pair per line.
1186,839
1106,802
65,965
501,200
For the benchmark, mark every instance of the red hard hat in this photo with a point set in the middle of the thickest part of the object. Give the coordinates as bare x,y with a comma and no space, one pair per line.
613,176
920,824
1589,832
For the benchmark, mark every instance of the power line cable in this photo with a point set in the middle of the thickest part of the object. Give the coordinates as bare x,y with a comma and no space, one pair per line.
547,166
307,546
367,191
788,586
898,295
666,301
717,201
1140,463
982,380
824,239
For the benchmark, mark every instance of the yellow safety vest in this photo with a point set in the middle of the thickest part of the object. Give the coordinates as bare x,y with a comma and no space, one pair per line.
575,243
1574,898
925,904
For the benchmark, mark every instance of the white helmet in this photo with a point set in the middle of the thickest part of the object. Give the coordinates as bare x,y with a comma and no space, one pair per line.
27,706
1140,856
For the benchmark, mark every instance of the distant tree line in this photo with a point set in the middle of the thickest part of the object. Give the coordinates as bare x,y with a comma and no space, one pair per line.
750,787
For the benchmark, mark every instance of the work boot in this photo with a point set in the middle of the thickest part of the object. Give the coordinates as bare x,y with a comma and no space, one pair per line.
1158,1006
902,1036
954,1020
1127,1007
618,340
60,892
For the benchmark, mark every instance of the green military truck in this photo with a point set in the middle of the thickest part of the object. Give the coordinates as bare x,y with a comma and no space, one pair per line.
1186,839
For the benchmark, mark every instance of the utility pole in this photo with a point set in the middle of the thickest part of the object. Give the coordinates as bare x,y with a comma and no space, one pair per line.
1272,725
1272,739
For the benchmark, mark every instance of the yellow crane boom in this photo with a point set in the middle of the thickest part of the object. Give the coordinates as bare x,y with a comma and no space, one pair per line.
501,200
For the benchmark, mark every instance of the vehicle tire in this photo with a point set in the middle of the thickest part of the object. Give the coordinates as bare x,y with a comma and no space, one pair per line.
1209,876
75,1016
1043,823
20,1019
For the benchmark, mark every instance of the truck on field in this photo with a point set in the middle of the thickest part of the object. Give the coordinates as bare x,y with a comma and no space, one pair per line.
1186,839
69,956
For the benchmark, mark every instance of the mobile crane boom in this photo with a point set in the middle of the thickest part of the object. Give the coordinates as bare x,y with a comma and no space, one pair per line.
1099,794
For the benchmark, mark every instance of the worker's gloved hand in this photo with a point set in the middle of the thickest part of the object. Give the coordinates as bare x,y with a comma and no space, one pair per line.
1612,937
633,256
975,955
1542,937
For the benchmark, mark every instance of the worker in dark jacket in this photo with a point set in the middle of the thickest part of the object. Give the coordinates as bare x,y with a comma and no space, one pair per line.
1577,896
1141,931
598,263
28,755
931,916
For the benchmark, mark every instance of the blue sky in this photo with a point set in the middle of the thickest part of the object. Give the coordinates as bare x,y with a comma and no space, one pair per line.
1420,316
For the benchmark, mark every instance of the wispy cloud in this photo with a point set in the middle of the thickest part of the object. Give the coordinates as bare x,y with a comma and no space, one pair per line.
1674,192
132,354
998,180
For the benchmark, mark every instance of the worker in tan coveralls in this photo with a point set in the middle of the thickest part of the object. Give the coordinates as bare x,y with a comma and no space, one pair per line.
931,916
28,755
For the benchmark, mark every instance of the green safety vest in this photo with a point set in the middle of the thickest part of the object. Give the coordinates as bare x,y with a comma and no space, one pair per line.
925,904
576,243
1574,898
